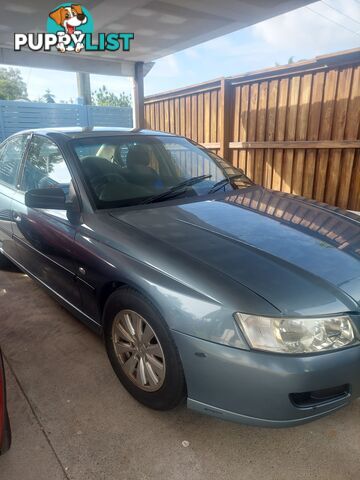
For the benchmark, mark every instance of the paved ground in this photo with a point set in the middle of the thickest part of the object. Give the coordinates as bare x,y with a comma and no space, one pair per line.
71,418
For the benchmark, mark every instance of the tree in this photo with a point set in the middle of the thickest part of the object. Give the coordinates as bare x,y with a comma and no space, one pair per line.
12,85
48,97
102,97
290,61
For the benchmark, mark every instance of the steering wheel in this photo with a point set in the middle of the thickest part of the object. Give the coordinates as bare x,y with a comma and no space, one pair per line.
101,180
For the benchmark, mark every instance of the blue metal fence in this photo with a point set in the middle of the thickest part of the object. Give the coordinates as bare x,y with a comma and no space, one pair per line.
16,116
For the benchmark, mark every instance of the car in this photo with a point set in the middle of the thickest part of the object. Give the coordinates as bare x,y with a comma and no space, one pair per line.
5,432
204,285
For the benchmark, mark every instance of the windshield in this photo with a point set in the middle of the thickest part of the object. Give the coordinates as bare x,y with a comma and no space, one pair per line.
128,170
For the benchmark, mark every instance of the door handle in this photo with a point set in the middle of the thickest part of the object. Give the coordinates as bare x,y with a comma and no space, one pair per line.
17,217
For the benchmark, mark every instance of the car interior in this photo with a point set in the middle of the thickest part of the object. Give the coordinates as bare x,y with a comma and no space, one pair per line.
134,170
134,178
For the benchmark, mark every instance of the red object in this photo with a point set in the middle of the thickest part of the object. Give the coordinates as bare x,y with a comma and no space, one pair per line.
2,405
5,436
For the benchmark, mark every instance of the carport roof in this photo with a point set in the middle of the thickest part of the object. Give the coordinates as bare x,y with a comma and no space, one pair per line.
160,28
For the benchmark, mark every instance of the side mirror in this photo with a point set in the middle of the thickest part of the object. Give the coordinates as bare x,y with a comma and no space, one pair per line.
49,198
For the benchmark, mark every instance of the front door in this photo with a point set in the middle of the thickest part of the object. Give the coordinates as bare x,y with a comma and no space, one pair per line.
45,238
11,154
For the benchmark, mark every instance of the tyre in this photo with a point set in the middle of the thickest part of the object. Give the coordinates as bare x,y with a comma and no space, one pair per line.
142,351
5,262
7,435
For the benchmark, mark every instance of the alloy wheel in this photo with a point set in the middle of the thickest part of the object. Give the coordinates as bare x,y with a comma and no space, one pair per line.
138,350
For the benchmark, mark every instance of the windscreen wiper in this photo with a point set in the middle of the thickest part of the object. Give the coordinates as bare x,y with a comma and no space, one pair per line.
227,180
177,189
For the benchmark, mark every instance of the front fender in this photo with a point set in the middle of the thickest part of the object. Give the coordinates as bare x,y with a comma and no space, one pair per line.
202,306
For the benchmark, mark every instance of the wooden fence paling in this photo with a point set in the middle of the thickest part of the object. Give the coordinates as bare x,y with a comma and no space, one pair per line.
224,118
270,131
280,132
350,132
294,128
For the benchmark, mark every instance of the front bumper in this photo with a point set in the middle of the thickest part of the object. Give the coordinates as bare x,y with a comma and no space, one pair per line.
255,387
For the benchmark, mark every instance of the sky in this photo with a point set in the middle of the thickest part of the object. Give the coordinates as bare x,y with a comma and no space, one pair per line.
322,27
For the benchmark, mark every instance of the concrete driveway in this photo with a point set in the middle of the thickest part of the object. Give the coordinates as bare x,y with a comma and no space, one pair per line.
72,419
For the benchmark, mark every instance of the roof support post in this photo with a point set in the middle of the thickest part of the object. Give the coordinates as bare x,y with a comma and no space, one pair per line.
138,96
83,87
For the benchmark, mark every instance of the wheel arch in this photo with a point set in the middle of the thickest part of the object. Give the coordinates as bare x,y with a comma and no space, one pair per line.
106,291
111,287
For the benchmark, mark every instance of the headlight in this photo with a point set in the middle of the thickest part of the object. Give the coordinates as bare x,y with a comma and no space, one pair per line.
297,335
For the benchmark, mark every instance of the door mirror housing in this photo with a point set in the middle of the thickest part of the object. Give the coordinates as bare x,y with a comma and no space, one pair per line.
50,198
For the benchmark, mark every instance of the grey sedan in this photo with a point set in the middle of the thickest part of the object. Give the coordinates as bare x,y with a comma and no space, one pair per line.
204,286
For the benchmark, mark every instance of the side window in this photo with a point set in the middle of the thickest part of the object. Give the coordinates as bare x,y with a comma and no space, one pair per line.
11,154
45,166
106,151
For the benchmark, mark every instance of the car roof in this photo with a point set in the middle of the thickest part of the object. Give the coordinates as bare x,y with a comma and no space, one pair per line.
81,132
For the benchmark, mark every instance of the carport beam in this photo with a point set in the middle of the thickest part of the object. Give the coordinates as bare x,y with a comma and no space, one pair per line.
138,96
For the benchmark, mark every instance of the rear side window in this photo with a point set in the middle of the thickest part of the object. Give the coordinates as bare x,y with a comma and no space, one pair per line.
45,166
11,154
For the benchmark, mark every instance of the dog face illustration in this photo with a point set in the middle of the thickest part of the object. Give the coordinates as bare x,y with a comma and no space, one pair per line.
69,17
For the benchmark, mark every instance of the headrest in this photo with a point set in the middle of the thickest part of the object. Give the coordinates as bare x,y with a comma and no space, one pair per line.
137,156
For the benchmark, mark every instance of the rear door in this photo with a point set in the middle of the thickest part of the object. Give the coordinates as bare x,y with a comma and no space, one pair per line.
11,155
45,238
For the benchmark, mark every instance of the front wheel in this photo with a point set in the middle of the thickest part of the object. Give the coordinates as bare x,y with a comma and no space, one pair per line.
142,351
5,263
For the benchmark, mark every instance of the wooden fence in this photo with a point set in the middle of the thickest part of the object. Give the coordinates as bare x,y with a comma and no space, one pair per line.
294,128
